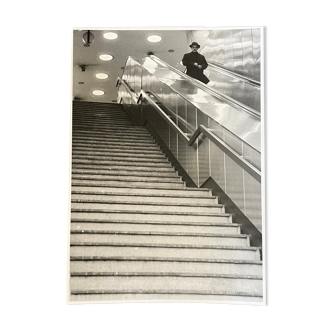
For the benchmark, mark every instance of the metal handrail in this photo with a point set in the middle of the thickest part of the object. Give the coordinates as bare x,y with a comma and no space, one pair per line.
131,92
216,66
253,171
209,90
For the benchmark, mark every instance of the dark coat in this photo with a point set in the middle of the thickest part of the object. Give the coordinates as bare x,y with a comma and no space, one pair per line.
189,59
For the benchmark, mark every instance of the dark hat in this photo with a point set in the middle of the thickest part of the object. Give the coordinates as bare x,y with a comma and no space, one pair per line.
196,44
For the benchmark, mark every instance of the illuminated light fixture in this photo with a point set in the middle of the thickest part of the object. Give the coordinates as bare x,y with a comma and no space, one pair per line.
98,92
110,35
101,76
154,39
105,57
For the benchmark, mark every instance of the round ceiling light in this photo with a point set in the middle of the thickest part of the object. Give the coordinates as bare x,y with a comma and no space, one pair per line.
98,92
110,35
105,57
101,76
154,39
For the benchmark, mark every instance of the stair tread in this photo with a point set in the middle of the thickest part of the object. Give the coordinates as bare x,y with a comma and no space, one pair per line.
146,203
125,178
165,259
138,195
182,189
161,291
161,245
152,212
156,222
166,274
177,234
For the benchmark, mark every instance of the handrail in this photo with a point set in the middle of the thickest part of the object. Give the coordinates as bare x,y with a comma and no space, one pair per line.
132,93
209,90
216,66
253,171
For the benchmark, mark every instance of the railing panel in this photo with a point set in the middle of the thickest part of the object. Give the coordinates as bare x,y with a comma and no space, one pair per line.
217,161
234,182
253,208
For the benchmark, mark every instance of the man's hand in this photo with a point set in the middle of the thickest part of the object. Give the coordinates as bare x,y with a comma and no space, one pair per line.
196,64
199,66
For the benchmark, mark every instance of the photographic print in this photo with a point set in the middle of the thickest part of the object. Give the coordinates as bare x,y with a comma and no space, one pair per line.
167,173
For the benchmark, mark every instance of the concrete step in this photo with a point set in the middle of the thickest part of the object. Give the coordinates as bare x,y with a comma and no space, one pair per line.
113,138
78,251
174,265
155,282
162,296
104,215
123,177
105,237
120,161
147,198
171,175
116,142
125,167
177,228
107,151
100,124
98,203
124,154
111,128
128,184
136,133
110,147
141,190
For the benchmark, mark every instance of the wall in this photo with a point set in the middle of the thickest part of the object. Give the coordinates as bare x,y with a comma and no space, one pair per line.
237,50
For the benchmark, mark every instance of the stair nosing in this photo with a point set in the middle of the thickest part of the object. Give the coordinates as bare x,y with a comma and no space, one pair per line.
77,200
166,274
126,180
122,173
155,222
166,292
155,233
162,245
167,259
140,194
138,187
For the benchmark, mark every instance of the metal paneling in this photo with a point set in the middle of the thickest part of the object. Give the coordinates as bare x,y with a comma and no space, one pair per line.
217,162
234,182
253,208
182,113
237,50
203,150
174,142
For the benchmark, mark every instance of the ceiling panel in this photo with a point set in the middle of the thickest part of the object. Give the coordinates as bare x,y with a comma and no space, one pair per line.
129,43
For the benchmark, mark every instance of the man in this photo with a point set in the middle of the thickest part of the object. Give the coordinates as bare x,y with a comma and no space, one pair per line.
195,63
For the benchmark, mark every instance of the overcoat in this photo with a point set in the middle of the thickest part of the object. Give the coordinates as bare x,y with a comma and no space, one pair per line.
189,59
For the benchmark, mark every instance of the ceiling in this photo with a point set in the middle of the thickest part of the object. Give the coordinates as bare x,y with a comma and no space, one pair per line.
129,43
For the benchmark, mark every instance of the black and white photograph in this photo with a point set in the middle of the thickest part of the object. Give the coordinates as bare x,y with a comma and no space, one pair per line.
167,202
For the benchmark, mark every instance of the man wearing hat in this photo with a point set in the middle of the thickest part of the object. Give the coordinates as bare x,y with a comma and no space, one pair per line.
195,63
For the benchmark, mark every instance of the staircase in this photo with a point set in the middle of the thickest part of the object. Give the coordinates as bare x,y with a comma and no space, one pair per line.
137,232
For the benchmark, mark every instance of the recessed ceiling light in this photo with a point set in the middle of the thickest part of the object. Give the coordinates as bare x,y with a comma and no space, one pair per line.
101,76
98,92
110,35
105,57
154,39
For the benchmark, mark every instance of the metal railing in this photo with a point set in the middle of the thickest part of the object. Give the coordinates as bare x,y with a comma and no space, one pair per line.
253,171
217,67
207,89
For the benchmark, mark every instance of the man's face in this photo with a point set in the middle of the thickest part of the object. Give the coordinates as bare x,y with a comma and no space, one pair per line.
194,48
